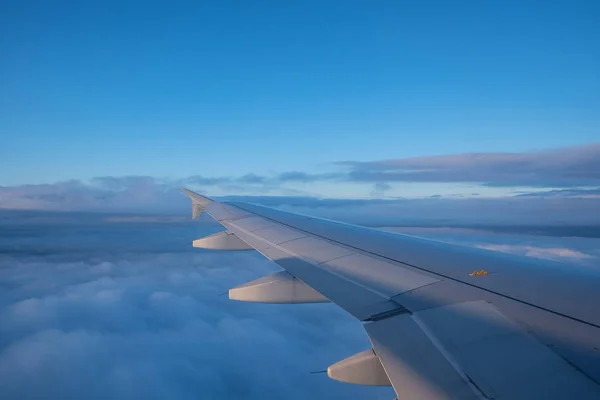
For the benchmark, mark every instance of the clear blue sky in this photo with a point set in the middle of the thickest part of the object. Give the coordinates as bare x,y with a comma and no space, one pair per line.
226,88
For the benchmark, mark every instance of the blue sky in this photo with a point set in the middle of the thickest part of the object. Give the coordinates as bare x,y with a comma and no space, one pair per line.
223,89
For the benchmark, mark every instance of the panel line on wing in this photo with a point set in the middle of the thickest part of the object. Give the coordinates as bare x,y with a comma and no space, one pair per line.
453,363
291,240
291,253
387,314
417,288
428,271
337,258
231,219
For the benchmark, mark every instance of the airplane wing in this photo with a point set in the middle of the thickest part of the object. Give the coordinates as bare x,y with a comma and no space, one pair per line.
445,321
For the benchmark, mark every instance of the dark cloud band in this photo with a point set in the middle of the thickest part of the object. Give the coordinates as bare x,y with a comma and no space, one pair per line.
567,167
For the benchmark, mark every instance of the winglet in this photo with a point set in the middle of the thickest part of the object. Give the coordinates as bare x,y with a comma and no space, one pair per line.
197,198
198,202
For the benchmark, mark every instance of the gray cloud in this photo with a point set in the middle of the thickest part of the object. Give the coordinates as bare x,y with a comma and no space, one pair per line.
379,189
297,176
152,196
141,193
566,167
564,193
252,179
251,183
207,181
574,171
258,180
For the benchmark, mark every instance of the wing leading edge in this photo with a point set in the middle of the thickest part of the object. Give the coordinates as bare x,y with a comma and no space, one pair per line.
524,331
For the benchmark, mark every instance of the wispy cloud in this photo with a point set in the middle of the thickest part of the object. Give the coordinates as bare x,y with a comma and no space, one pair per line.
588,193
567,174
149,196
100,194
566,167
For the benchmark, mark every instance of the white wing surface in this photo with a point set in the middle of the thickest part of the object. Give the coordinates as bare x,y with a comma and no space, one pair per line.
516,329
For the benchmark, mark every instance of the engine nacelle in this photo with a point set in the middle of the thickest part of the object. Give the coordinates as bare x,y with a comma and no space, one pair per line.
363,368
222,241
279,288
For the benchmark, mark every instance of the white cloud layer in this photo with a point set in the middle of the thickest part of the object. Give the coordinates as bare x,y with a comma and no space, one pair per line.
557,253
105,306
128,310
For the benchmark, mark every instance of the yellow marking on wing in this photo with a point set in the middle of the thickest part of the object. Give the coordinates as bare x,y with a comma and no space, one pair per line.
482,272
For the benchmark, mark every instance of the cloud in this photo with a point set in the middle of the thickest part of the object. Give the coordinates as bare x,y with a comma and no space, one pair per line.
254,179
100,194
379,189
571,250
589,193
120,311
297,176
566,167
155,197
555,254
207,181
564,172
